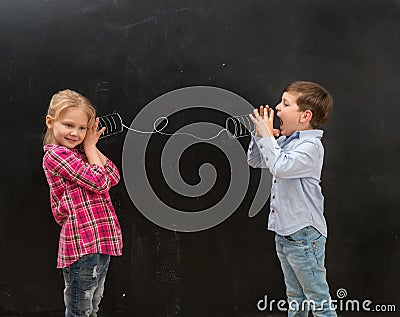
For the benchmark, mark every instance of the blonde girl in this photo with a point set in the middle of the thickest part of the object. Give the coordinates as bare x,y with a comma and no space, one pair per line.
79,178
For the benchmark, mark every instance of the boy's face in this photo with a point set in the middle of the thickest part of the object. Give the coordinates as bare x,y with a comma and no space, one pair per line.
291,118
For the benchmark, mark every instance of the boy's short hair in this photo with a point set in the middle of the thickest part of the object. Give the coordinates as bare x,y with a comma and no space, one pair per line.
314,97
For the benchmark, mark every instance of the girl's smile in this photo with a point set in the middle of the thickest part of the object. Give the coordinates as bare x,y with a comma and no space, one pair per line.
70,128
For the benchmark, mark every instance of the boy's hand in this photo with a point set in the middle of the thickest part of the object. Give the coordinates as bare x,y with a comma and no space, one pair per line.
264,121
92,135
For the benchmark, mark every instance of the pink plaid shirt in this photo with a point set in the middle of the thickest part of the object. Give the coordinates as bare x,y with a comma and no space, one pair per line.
81,204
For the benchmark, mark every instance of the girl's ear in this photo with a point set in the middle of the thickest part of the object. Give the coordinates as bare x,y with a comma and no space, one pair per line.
306,116
49,122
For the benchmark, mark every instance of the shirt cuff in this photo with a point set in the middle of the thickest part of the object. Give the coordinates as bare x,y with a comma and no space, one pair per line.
267,146
255,138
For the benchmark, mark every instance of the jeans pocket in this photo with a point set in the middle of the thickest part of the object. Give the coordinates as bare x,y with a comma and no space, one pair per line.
293,241
318,246
67,275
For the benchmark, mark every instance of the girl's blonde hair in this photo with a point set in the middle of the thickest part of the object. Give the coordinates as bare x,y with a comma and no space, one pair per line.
67,99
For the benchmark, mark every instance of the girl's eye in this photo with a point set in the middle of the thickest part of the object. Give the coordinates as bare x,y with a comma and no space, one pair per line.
83,128
68,125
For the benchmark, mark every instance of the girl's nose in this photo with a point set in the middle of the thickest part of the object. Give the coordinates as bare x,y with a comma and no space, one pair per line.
73,132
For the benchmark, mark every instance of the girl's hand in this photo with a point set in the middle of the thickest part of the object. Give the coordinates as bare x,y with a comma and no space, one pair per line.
92,135
264,121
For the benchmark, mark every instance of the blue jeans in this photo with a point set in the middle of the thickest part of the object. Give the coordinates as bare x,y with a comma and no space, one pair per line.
84,285
302,257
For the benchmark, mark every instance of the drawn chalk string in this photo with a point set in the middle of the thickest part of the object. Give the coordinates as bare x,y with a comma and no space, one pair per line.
235,127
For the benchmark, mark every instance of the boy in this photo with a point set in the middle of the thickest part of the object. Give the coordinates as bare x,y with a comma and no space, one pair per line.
296,203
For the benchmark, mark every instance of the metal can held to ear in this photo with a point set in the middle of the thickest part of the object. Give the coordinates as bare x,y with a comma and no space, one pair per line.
113,124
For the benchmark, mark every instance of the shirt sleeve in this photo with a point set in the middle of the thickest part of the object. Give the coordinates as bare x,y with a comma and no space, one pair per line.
112,172
62,162
296,163
254,156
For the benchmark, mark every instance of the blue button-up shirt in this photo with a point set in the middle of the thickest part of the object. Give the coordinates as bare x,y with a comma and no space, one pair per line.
295,163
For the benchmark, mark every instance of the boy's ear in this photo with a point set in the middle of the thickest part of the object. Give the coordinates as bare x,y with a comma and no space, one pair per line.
49,122
306,116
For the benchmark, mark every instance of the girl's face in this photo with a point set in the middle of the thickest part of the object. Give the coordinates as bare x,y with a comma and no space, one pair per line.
70,128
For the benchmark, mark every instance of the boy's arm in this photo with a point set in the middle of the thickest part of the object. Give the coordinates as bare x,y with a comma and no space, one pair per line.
254,157
263,123
298,163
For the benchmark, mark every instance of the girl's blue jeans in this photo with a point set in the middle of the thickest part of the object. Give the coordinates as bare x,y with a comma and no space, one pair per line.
84,285
302,257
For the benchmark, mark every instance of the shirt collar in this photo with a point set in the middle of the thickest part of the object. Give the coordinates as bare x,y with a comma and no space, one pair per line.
305,134
48,147
308,134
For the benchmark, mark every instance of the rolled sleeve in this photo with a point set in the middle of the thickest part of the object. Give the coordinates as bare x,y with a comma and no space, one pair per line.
254,157
269,149
112,172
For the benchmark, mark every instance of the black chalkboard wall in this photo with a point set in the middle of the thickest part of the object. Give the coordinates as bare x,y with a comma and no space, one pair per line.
124,54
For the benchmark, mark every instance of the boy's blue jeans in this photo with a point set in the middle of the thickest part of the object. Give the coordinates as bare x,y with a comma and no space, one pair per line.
302,257
84,285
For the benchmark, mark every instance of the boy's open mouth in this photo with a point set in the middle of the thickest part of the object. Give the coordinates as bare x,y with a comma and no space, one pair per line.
280,123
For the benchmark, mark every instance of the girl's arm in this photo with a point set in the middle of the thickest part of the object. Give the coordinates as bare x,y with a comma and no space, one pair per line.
62,162
89,145
111,169
95,156
102,157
